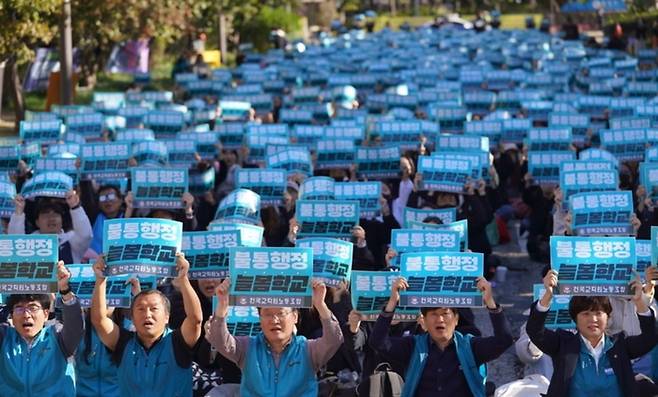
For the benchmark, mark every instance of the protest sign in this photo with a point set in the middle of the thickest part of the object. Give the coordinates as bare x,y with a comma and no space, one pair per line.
332,259
83,280
378,162
572,182
602,213
28,264
67,166
250,235
257,145
579,124
105,160
208,252
159,188
295,161
200,181
446,215
515,130
326,218
490,128
9,157
271,277
444,175
89,125
459,143
643,255
7,195
240,205
150,152
47,184
552,139
593,265
367,194
242,320
558,316
335,154
405,134
628,144
370,291
165,123
64,150
457,226
230,135
318,188
544,167
269,184
143,246
41,131
649,179
441,279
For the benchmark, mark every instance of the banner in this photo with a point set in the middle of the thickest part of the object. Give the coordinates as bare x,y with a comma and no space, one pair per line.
295,161
269,184
602,213
158,188
378,162
593,265
41,131
105,160
366,193
446,215
250,235
444,175
318,188
206,143
271,277
370,291
558,316
544,167
332,259
7,195
441,279
142,246
457,226
208,252
47,184
28,264
335,154
118,291
240,205
326,218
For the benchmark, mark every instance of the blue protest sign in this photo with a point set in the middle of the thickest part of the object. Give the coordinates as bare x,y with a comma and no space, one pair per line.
444,174
544,167
318,188
83,281
449,142
134,135
250,235
271,277
378,162
602,213
414,240
631,122
405,134
458,226
150,152
370,291
294,161
165,123
156,97
515,130
308,134
9,157
366,193
649,179
643,255
332,259
134,115
105,160
296,116
335,154
269,184
181,153
593,265
143,246
242,320
206,142
336,132
257,145
158,188
230,135
7,194
446,215
489,128
558,316
628,144
654,245
599,154
66,165
89,125
41,131
208,252
234,110
572,182
268,129
326,218
549,139
28,264
240,205
47,184
441,279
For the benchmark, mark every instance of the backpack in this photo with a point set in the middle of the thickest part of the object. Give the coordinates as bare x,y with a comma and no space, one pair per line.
384,382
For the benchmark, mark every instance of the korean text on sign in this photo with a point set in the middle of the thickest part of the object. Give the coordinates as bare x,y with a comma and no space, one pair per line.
208,252
370,291
332,259
28,264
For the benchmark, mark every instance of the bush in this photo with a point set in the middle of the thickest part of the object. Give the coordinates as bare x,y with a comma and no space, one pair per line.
257,30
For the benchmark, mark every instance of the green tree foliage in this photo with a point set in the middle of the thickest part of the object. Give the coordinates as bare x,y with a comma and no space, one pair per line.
24,24
257,29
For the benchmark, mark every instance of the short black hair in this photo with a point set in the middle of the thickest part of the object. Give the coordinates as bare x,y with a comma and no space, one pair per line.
111,187
46,205
425,310
165,300
579,304
433,219
43,299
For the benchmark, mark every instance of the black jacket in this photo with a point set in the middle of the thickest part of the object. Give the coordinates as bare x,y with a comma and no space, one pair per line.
564,348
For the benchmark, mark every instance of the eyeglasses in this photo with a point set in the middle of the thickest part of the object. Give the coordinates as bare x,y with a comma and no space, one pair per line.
21,310
279,316
436,314
107,197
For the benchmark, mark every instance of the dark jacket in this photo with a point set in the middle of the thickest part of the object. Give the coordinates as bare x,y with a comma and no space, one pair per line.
564,348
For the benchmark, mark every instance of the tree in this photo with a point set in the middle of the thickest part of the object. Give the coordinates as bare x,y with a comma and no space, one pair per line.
25,23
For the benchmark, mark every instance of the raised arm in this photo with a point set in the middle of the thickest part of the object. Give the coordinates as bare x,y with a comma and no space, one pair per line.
17,219
82,231
217,334
324,347
546,340
191,327
489,348
643,343
73,328
106,329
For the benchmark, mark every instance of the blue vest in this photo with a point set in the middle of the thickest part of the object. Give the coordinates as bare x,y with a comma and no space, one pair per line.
96,374
153,374
295,376
475,376
37,370
590,381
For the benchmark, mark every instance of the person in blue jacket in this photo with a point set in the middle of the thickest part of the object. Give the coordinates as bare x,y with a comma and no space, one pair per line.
443,361
34,357
591,363
153,361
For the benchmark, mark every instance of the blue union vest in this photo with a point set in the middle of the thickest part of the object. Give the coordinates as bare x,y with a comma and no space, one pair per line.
98,377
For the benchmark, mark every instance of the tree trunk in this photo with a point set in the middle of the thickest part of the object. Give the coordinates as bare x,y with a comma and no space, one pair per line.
16,91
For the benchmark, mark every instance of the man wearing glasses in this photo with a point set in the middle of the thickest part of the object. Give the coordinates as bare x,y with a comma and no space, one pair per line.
276,363
111,206
33,355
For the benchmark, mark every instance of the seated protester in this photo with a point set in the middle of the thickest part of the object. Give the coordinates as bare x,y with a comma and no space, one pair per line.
95,372
536,362
35,356
443,361
153,360
111,205
276,363
74,239
591,363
